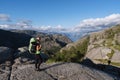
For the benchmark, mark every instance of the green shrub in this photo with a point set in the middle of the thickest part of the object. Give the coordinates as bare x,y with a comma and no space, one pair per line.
74,54
110,54
52,50
103,61
109,34
109,42
117,47
115,63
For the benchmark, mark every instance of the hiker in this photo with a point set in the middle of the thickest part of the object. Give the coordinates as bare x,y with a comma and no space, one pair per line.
109,61
35,48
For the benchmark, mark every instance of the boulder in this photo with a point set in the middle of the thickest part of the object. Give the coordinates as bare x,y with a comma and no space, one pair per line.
22,55
98,53
6,54
4,75
116,57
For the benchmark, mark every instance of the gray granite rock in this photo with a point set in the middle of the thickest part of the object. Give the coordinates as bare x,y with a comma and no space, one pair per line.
5,71
58,71
5,54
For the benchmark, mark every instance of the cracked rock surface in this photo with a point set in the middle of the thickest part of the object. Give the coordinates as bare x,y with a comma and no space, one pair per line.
23,69
57,71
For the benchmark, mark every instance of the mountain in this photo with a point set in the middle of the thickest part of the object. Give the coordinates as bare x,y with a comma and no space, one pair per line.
22,68
17,63
51,42
74,33
105,43
15,39
101,50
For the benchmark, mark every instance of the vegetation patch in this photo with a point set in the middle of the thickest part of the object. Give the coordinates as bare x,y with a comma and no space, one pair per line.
109,34
108,42
74,54
96,45
110,54
117,47
115,63
105,61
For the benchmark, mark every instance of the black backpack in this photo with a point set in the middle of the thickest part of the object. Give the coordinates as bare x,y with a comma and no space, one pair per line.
33,47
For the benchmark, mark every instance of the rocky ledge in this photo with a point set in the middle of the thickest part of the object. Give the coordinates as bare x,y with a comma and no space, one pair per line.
22,68
57,71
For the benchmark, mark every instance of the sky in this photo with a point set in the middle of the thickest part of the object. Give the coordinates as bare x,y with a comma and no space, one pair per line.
59,14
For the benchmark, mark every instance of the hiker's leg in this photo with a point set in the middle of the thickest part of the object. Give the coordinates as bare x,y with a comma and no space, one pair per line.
36,61
40,61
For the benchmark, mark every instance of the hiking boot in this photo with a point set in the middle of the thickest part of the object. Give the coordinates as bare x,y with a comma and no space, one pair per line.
38,69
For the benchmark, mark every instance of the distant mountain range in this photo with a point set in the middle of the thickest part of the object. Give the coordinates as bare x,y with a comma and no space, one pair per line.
74,33
85,26
97,46
98,49
74,36
20,38
14,48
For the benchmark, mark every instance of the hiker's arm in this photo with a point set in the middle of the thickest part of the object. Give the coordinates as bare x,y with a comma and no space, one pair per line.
38,47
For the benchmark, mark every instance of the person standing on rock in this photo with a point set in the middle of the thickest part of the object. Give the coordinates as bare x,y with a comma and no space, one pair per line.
35,48
109,61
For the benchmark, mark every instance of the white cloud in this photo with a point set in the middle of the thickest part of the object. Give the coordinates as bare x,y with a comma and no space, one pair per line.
24,24
44,28
4,17
87,25
5,26
48,28
59,28
98,23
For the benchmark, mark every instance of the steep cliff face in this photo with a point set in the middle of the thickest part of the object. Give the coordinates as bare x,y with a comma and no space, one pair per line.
99,50
104,46
100,47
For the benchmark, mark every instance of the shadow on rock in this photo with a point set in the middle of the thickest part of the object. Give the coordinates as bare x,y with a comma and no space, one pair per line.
53,66
103,67
22,55
44,56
